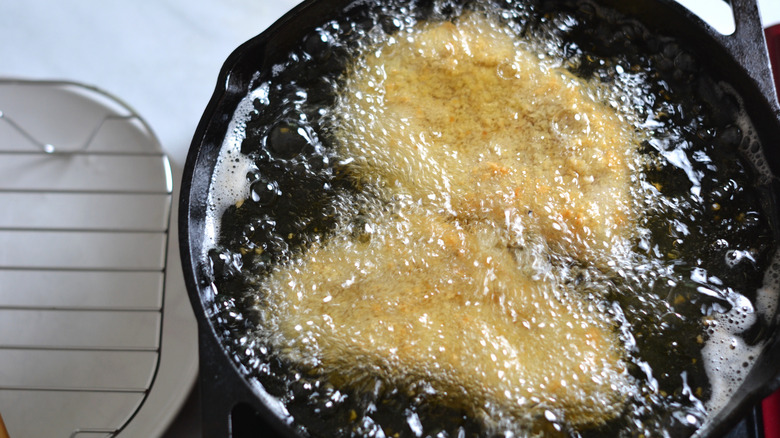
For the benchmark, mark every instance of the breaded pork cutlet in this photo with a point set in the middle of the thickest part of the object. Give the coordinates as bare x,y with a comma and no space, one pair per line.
472,145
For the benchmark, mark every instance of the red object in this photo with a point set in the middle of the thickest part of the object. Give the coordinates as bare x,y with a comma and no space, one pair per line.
770,406
773,44
771,410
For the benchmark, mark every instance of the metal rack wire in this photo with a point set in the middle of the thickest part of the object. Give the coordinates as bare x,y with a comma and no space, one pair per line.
85,205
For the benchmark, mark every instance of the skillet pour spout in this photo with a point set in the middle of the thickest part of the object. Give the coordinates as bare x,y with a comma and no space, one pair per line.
236,401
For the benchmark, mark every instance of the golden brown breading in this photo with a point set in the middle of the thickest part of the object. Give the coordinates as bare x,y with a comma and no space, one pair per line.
462,117
479,149
424,299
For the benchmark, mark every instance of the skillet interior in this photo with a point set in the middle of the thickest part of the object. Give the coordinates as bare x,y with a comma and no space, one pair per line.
740,59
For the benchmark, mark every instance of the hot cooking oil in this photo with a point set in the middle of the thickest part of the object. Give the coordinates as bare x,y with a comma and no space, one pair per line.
329,165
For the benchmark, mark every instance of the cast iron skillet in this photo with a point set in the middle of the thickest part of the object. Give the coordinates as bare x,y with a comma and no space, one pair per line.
231,402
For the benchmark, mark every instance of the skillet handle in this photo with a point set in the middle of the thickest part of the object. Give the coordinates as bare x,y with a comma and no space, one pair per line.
748,45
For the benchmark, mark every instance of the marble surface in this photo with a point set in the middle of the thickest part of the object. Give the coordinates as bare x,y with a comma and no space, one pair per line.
162,58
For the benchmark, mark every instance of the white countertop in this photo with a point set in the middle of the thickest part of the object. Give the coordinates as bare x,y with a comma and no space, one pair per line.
162,58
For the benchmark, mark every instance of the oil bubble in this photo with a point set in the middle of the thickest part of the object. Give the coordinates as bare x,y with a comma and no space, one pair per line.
569,124
287,140
225,263
508,70
319,45
264,192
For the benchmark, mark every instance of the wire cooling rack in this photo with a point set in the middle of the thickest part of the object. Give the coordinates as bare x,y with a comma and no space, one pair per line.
85,205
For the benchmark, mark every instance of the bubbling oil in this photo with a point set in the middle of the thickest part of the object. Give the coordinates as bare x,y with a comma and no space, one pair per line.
687,297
